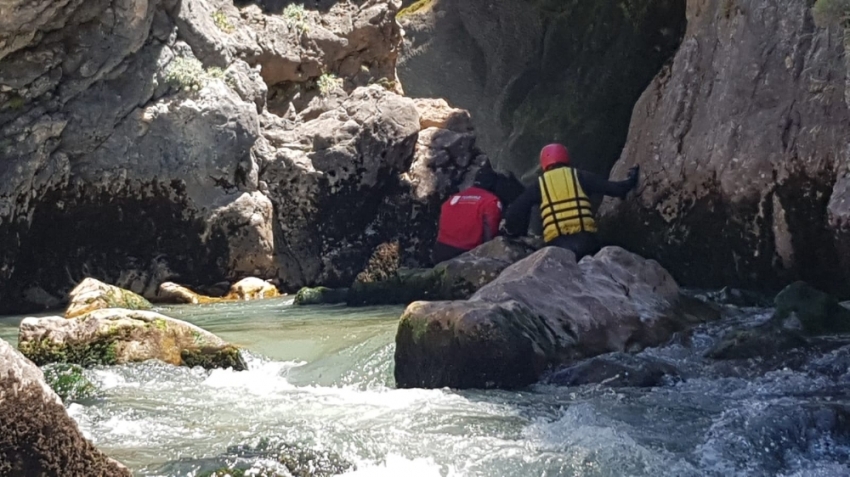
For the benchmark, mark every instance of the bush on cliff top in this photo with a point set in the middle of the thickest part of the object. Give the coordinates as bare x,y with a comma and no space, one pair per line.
832,12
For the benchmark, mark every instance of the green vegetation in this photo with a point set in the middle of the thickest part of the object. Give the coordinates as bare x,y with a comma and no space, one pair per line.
188,74
327,83
296,16
832,12
15,102
222,22
101,352
420,6
68,381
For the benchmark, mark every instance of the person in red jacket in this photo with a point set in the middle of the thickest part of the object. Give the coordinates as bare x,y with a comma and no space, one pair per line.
469,218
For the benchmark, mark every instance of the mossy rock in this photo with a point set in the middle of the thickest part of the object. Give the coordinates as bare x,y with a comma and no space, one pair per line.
818,312
228,356
68,381
117,336
91,294
321,296
404,288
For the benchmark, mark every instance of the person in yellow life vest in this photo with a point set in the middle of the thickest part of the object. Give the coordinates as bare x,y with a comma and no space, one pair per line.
563,195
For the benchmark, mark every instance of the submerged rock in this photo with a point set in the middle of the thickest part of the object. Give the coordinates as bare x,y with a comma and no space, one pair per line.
736,297
802,312
92,295
616,370
817,312
759,342
277,459
543,311
321,296
38,437
68,381
117,336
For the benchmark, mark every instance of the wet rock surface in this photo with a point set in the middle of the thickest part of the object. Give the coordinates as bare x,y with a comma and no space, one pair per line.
802,321
39,437
752,110
616,370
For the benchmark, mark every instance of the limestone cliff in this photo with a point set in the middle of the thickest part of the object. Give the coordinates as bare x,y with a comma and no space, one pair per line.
193,140
744,144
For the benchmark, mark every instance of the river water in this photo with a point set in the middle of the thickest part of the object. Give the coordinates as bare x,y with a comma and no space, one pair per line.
321,378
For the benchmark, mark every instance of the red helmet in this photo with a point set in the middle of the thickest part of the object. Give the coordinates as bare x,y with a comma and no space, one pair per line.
554,154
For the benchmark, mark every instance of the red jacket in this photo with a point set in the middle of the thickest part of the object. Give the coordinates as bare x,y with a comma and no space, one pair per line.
469,218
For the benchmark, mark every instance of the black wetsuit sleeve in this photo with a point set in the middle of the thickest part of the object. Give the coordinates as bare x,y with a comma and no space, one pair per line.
518,213
595,184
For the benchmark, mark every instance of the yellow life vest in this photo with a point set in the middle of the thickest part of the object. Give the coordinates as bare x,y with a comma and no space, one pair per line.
564,206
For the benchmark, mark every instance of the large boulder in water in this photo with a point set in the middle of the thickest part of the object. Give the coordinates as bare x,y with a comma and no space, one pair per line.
38,437
116,336
92,295
544,310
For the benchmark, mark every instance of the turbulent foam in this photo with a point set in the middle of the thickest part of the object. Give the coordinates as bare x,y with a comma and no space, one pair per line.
339,398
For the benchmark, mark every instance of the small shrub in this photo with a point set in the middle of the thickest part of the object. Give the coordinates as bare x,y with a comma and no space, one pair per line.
296,17
222,22
832,12
188,74
327,83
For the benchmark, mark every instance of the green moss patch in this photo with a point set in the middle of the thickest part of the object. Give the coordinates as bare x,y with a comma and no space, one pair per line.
98,353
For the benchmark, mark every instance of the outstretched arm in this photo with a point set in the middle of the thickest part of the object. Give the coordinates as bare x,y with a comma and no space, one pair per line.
517,215
595,184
